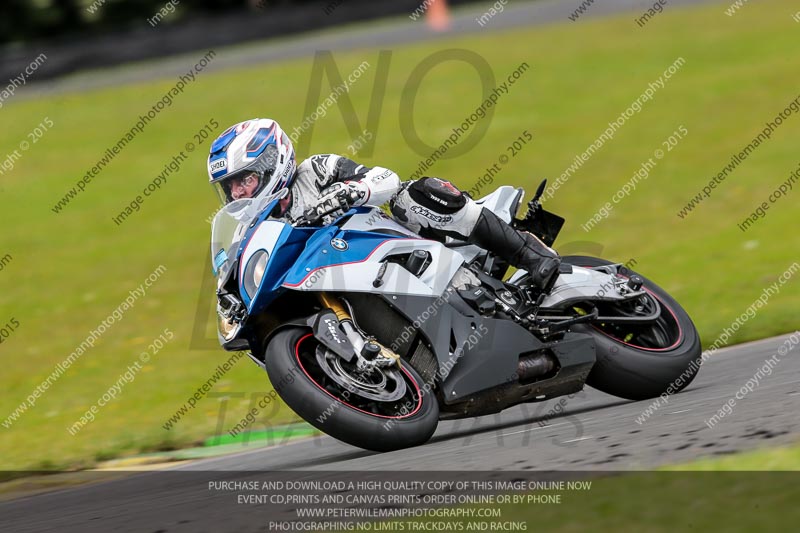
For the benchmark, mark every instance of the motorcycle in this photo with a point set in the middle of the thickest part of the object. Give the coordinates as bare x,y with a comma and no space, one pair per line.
373,334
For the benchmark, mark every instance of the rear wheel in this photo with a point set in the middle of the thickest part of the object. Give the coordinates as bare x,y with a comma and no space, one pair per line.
381,410
641,361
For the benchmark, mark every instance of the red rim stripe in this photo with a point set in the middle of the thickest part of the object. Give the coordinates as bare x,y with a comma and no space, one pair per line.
668,308
410,377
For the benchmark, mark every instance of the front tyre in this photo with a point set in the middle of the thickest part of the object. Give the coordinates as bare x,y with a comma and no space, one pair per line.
379,412
644,361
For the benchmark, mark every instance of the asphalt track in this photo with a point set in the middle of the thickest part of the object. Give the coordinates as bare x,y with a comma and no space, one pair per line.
596,432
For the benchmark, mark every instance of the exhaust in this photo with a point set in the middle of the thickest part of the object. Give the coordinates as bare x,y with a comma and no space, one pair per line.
535,366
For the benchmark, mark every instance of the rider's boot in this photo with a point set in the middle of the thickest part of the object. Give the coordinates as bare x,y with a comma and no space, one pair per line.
520,249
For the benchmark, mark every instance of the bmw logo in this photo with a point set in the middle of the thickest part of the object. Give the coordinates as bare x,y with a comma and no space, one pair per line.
339,244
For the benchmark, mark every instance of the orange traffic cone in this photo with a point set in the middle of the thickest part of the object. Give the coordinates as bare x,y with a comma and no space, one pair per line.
439,16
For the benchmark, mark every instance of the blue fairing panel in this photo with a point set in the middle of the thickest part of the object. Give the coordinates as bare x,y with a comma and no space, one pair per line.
282,257
297,253
321,251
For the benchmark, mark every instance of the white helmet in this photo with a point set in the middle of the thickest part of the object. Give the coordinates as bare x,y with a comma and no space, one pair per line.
257,148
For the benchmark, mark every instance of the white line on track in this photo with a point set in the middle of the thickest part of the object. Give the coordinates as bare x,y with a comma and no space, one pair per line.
533,429
578,439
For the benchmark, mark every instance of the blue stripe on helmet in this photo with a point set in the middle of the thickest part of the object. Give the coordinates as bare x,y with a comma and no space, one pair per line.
223,141
260,141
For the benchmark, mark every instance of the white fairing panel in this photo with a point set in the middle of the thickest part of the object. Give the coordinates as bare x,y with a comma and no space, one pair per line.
583,284
359,277
376,220
502,202
264,238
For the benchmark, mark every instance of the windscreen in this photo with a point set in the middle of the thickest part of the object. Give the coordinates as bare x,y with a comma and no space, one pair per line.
230,225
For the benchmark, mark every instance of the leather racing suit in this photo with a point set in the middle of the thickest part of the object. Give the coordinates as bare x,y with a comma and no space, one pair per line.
430,207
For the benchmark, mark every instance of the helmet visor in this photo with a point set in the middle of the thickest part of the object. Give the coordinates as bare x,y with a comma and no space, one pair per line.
245,184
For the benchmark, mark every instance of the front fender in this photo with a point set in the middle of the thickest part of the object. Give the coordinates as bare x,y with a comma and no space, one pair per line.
260,350
325,327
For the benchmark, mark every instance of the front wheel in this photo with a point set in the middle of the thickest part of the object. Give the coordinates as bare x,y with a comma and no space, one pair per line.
379,410
638,362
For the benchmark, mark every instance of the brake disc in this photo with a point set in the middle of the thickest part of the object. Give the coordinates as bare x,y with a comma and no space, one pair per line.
372,383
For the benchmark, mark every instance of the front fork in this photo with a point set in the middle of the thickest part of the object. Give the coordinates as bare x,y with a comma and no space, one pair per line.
345,320
368,351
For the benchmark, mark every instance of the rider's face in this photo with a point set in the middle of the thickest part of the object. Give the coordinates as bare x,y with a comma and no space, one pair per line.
244,187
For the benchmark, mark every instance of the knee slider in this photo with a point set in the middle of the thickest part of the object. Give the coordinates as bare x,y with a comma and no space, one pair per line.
438,195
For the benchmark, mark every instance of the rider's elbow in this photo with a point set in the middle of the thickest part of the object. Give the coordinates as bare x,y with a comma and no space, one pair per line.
383,184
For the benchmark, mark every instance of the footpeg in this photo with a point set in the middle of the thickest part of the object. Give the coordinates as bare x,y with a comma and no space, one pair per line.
635,283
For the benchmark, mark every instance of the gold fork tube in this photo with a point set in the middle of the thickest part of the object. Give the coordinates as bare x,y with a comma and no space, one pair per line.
333,303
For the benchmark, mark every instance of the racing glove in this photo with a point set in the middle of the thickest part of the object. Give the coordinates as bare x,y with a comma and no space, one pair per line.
336,200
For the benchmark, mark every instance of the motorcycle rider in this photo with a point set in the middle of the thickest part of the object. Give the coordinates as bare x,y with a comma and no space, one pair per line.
255,158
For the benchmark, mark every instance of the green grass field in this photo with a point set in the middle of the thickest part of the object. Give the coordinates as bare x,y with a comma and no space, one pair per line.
70,270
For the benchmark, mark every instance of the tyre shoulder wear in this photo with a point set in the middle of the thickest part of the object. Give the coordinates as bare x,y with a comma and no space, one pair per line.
640,373
341,420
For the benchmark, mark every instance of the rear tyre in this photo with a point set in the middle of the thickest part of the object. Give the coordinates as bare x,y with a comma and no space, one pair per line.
642,362
294,369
